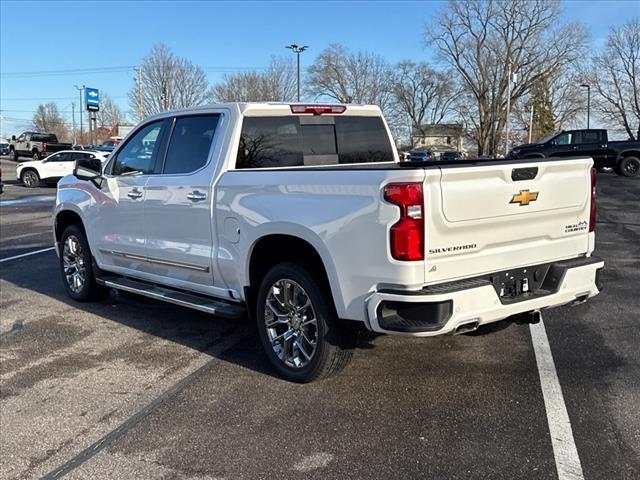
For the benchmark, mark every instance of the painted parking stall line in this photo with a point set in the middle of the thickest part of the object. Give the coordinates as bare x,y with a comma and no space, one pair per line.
15,257
564,448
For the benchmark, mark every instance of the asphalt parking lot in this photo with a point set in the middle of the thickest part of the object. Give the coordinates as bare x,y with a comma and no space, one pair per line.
133,388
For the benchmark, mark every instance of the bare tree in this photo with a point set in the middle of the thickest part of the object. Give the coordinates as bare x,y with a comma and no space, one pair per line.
277,83
110,114
422,94
482,39
615,76
348,77
566,99
168,82
47,119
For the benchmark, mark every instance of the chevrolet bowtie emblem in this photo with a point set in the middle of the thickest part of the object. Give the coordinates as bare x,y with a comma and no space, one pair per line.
524,197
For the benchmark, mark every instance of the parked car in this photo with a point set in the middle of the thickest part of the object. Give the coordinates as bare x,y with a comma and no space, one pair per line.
102,148
301,216
4,149
451,156
112,142
622,156
52,168
35,145
420,155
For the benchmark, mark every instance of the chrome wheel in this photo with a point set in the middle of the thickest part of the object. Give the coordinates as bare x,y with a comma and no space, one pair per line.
30,179
73,264
291,323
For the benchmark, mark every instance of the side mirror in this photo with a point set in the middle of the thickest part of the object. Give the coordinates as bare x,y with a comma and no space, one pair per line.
88,169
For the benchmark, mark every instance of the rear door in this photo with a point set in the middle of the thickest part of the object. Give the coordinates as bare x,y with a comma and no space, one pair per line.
482,219
178,203
591,143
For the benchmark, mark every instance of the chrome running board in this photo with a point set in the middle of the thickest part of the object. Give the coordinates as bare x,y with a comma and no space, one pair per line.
177,297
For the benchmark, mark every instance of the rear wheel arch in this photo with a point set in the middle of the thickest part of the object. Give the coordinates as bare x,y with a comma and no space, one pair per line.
273,249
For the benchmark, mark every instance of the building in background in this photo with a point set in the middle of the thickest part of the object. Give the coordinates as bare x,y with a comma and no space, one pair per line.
438,138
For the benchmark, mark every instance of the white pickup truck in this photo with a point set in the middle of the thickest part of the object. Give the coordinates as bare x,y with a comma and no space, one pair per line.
302,217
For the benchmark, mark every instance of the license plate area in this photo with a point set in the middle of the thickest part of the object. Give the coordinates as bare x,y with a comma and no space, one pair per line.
518,284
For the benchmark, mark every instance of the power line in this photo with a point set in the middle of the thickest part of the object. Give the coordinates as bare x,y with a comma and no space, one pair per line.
71,71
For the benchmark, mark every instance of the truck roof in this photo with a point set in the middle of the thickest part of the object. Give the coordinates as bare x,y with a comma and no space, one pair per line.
257,109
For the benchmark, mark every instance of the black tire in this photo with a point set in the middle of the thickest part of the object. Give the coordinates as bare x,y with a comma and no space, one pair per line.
89,290
12,155
35,155
629,167
30,178
334,343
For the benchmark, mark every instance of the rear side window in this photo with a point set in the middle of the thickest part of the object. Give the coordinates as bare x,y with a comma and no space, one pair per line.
302,141
190,143
589,136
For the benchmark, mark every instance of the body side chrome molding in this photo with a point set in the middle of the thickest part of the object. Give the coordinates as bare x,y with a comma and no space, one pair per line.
158,261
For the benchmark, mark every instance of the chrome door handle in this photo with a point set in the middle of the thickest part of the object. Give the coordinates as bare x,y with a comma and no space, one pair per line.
196,196
134,194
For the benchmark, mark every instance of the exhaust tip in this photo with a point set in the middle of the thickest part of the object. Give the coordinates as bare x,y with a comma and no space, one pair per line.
466,327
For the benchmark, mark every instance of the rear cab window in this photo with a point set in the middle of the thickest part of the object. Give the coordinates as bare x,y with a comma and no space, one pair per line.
297,141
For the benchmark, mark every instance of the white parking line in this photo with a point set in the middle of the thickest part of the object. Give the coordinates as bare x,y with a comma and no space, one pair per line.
564,448
26,254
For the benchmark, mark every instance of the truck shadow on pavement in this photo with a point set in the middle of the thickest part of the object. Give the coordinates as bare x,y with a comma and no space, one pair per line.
192,329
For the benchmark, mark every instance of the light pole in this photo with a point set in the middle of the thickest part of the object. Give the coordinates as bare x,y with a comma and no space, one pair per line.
80,90
297,50
588,87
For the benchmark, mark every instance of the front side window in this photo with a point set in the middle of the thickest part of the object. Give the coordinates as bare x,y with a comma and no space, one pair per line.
137,156
61,157
564,138
190,143
294,141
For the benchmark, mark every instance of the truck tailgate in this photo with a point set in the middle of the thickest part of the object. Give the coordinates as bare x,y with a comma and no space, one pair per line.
484,218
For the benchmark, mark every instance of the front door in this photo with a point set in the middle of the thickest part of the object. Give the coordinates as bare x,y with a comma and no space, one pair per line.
563,145
178,205
58,165
118,226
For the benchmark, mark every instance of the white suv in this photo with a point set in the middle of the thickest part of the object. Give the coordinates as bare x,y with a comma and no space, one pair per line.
53,168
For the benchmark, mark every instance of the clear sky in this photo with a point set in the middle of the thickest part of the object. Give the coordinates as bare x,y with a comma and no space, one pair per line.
218,36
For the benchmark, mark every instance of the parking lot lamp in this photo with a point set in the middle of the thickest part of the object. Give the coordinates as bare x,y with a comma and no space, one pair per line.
588,87
297,50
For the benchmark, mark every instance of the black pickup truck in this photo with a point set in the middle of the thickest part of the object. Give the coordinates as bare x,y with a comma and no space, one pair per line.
623,157
35,145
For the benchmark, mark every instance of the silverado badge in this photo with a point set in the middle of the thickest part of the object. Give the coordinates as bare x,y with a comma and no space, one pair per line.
524,197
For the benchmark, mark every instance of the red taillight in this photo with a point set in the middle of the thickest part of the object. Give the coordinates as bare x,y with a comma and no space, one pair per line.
592,213
318,109
407,235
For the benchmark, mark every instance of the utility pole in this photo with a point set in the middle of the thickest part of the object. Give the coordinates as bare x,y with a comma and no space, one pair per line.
588,87
140,104
73,121
530,122
297,50
80,90
512,77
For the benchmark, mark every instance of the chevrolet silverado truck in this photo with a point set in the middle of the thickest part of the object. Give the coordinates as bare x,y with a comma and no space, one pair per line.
302,217
35,145
622,156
